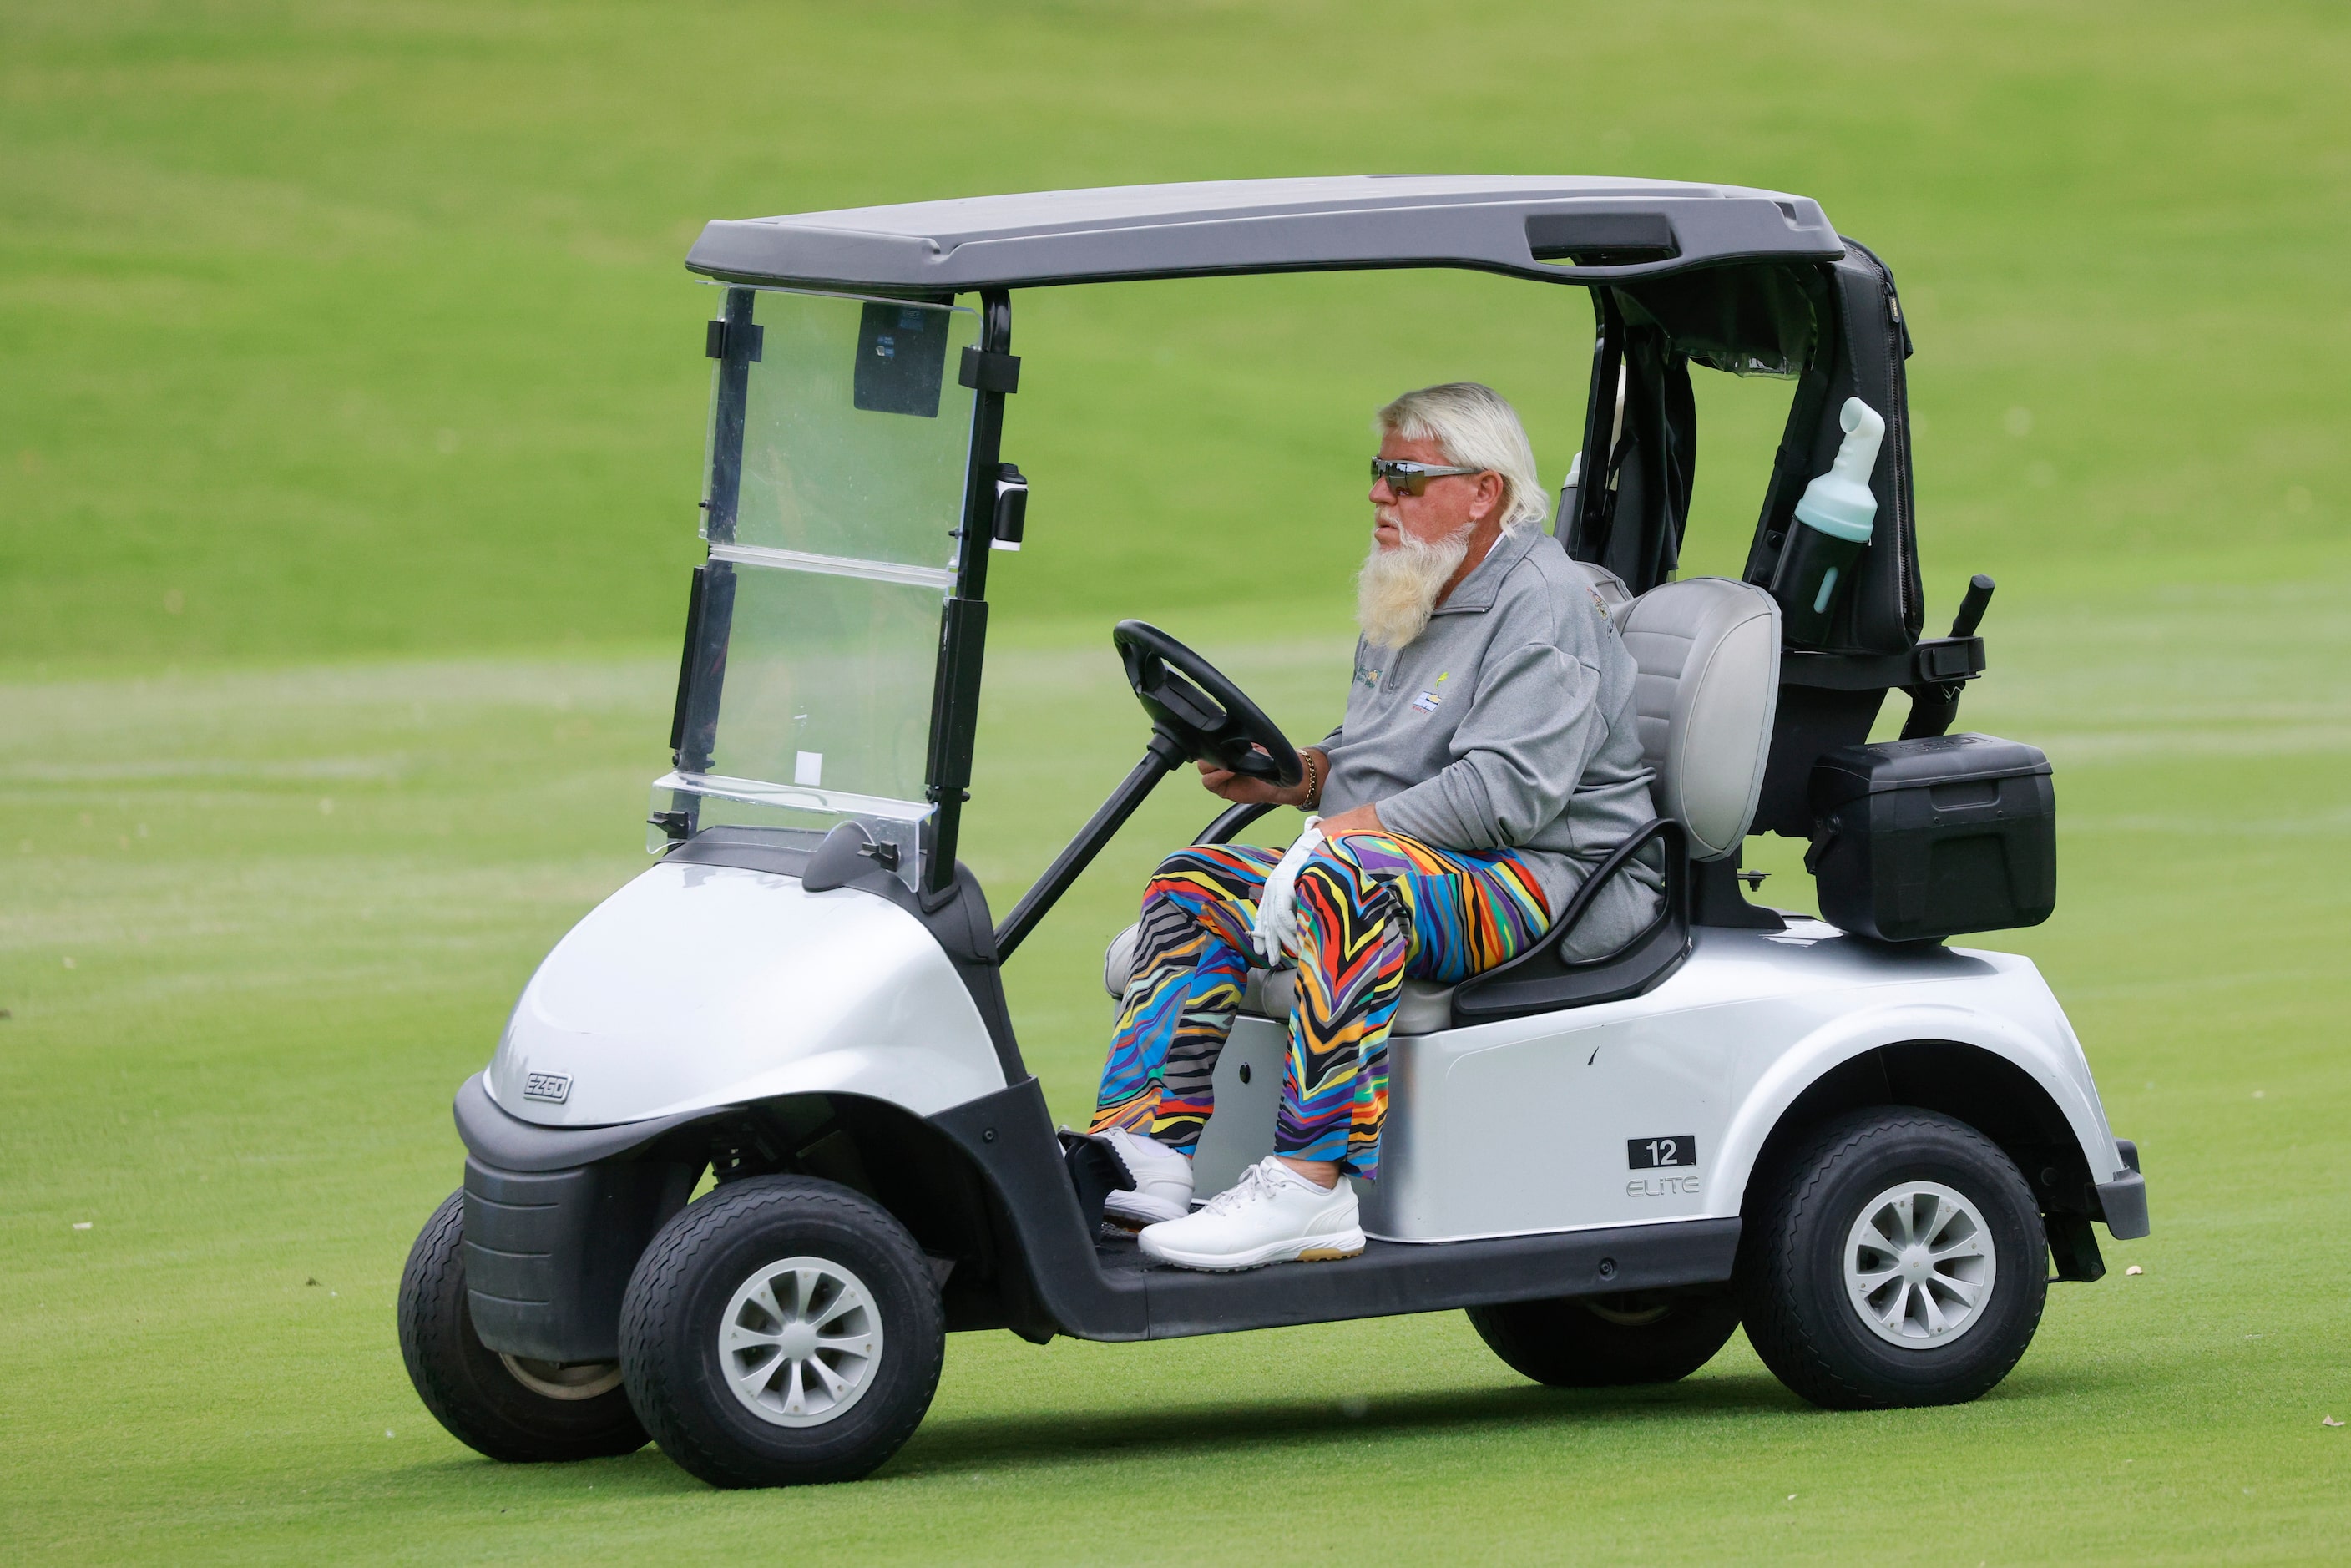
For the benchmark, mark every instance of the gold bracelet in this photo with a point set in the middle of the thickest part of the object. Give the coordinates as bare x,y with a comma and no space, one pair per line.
1314,781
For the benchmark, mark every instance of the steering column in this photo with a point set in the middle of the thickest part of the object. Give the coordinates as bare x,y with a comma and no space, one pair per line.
1196,711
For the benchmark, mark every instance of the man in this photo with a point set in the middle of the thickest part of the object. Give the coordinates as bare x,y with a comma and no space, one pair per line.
1487,761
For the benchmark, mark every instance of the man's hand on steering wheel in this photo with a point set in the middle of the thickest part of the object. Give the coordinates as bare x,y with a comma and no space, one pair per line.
1244,790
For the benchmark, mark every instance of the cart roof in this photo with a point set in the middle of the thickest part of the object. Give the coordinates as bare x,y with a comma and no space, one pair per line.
1562,229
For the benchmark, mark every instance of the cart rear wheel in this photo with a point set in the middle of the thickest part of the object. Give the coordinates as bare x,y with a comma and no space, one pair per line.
505,1406
1896,1258
1599,1341
781,1329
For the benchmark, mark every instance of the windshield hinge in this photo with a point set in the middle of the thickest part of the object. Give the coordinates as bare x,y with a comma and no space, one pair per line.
985,370
751,336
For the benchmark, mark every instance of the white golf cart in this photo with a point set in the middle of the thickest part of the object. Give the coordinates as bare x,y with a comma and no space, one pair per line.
1869,1147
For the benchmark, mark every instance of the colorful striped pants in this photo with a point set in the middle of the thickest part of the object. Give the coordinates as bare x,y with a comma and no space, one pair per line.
1373,909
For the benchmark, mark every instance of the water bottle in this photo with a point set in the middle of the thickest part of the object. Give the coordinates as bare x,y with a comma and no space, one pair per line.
1833,525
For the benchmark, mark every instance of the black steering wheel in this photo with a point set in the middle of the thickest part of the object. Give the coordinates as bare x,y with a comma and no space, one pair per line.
1191,702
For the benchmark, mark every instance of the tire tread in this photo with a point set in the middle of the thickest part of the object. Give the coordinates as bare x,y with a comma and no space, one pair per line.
650,1311
1557,1343
1793,1345
435,1346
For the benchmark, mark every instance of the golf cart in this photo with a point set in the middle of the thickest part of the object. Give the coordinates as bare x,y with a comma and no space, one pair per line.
1872,1148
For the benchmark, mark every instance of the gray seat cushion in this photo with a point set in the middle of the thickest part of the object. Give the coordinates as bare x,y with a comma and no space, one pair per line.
1118,962
1708,651
1423,1008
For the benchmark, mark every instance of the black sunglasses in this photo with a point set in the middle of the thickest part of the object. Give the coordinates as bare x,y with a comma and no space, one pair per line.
1407,479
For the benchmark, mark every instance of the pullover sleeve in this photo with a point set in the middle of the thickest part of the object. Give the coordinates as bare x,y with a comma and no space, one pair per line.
1531,729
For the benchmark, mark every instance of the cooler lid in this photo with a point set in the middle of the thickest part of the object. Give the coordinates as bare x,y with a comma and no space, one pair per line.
1852,772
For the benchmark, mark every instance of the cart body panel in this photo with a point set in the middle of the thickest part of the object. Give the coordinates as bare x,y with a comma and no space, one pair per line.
1658,1107
1655,1108
699,985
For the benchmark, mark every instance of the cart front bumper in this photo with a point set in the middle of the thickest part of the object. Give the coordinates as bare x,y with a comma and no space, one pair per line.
2122,1202
555,1222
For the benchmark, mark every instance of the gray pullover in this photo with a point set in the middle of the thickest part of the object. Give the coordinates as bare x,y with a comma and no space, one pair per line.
1509,722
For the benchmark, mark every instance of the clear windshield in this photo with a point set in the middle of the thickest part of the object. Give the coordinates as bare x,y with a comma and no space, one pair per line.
855,434
811,674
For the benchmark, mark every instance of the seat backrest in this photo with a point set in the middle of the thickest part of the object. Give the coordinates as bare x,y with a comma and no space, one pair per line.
1709,653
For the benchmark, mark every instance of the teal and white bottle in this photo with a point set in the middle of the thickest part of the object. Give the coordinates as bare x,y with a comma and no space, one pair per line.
1834,522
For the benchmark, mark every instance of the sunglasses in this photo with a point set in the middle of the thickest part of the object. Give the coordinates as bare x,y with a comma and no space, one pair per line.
1407,479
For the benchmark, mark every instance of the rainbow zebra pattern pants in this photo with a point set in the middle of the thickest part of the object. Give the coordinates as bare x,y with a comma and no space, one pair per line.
1373,908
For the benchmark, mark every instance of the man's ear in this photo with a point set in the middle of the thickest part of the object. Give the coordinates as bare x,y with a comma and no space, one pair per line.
1488,498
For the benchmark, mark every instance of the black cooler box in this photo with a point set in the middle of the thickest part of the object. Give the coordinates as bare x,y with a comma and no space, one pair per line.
1917,840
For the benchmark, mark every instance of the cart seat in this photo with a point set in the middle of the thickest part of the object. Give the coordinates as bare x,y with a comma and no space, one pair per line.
1423,1008
1707,653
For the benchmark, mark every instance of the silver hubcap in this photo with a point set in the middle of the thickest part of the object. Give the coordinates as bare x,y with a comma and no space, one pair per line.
800,1342
1918,1265
559,1380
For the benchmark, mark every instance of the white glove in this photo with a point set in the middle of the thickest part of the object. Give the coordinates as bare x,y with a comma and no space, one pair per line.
1277,907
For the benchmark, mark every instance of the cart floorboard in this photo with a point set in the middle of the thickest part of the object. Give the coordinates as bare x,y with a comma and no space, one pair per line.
1391,1278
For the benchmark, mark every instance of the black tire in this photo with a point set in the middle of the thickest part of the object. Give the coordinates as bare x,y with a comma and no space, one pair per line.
677,1298
476,1393
1791,1269
1605,1341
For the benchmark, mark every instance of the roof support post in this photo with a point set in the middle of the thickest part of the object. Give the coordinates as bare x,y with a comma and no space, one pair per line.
962,628
733,341
1604,420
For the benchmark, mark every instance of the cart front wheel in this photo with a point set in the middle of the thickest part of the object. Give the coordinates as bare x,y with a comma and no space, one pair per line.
1896,1258
781,1329
508,1407
1600,1341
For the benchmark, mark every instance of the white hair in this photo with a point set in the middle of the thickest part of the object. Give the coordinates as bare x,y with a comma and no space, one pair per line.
1475,427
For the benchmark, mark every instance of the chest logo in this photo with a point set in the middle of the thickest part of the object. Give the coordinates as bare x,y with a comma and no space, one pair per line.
1426,701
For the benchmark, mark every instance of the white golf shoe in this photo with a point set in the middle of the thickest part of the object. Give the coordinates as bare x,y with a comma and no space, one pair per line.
1162,1182
1272,1214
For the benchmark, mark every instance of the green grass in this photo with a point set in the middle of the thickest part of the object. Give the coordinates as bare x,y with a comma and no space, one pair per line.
297,905
347,459
362,327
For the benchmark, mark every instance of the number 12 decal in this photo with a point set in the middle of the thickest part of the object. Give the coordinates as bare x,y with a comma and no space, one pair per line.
1657,1154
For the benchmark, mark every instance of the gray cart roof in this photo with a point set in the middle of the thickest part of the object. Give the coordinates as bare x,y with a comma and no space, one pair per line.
1562,229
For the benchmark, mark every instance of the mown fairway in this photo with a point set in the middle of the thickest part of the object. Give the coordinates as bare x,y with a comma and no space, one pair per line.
349,405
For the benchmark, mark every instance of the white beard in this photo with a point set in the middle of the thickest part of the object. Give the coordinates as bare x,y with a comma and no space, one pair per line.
1395,593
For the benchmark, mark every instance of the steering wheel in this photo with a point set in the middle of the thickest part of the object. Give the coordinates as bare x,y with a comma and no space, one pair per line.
1191,702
